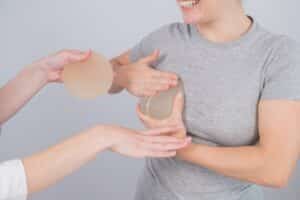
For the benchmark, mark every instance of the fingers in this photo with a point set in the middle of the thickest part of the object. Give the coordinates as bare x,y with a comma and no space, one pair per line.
159,81
71,56
154,154
150,58
178,106
65,57
162,143
165,77
148,93
162,131
164,139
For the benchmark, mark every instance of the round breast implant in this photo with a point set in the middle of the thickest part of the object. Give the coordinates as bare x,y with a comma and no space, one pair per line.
90,78
160,106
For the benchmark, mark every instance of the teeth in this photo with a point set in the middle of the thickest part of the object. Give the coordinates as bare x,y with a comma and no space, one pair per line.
188,4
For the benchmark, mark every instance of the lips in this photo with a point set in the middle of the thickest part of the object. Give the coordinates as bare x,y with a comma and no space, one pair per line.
188,3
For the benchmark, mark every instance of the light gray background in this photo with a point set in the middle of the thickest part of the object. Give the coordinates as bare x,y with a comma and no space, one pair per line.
33,28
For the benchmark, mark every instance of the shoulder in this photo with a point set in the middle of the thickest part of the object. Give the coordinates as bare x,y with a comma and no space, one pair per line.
277,48
168,32
284,60
164,37
277,43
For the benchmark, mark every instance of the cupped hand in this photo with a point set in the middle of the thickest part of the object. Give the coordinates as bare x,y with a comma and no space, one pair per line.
151,143
140,79
174,120
53,65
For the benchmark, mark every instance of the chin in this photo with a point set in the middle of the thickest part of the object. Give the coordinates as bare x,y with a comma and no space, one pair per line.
191,20
195,11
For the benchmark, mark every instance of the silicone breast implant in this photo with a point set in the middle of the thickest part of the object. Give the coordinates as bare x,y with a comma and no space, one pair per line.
90,78
160,106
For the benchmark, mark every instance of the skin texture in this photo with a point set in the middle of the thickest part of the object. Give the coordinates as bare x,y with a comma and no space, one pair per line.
139,78
47,167
270,162
32,79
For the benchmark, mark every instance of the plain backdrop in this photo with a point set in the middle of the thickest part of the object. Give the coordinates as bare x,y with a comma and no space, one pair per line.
34,28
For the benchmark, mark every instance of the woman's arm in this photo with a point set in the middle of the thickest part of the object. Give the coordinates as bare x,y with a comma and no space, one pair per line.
271,161
18,91
46,168
139,78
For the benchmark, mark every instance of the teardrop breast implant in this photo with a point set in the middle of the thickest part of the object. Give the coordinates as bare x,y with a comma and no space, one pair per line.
160,106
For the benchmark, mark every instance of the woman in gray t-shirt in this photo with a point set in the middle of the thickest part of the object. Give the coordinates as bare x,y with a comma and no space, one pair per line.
242,92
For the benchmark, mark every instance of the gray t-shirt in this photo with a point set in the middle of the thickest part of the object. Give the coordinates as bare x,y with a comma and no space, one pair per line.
223,85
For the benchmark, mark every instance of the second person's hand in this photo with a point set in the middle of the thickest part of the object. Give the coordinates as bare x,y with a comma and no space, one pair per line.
53,65
141,144
174,120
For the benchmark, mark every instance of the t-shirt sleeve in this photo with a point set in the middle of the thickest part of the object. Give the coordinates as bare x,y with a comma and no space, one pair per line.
149,43
282,75
137,51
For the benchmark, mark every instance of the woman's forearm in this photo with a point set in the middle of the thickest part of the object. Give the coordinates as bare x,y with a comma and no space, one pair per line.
249,163
46,168
18,91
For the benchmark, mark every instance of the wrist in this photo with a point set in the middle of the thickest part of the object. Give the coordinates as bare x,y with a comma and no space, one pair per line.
187,153
120,76
103,136
39,71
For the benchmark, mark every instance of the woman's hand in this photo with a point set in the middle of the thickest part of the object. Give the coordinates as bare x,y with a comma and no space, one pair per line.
140,79
174,120
18,91
52,65
150,143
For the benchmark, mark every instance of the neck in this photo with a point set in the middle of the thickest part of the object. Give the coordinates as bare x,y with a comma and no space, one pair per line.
228,27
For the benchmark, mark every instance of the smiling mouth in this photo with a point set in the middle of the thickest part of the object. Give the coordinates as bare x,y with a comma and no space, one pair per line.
188,3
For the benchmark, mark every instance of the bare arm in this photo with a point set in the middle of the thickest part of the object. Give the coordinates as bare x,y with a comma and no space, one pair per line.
271,161
18,91
46,168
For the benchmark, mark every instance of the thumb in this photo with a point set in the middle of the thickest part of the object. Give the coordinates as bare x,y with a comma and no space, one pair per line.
150,58
72,57
178,105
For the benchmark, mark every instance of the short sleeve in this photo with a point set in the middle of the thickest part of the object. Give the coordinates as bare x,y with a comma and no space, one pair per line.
137,51
282,75
150,42
13,185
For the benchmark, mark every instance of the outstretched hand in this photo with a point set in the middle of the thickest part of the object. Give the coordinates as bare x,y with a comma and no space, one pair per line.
153,143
